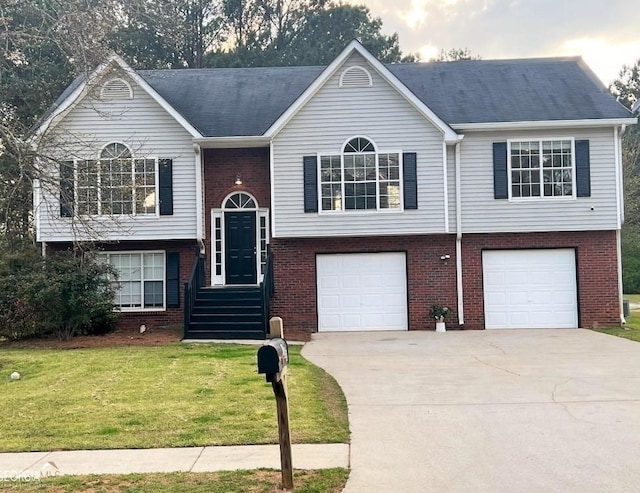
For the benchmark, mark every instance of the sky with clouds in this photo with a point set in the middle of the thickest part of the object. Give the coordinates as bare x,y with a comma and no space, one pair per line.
606,33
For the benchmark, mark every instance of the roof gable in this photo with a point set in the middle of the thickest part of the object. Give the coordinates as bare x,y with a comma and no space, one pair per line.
82,85
382,70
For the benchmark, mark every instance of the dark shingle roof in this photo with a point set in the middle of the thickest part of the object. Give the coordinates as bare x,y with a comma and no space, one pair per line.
482,91
246,101
227,102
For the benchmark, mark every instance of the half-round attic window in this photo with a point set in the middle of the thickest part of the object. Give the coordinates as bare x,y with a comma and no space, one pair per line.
116,89
356,77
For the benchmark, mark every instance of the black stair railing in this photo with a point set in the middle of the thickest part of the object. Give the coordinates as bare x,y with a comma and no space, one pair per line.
191,287
267,288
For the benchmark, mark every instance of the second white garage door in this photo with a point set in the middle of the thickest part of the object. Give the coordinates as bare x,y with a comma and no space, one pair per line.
362,291
530,289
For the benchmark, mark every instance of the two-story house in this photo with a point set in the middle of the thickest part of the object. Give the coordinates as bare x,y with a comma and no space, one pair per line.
363,192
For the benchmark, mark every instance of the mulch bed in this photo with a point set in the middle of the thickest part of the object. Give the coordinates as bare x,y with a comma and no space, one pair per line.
122,337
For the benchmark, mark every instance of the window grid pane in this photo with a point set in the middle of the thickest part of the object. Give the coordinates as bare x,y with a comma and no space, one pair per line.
145,186
218,241
331,183
557,168
363,181
542,168
141,276
263,244
525,166
116,184
389,181
87,187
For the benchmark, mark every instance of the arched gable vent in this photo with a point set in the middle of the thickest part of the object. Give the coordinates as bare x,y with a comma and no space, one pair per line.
356,77
115,89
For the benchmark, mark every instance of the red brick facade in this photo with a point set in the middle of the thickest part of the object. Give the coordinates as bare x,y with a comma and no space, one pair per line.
597,268
431,280
221,167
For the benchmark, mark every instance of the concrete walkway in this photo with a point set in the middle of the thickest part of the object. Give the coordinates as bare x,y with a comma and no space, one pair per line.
193,459
488,411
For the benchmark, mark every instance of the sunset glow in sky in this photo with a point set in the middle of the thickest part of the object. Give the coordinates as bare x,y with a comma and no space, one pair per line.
606,33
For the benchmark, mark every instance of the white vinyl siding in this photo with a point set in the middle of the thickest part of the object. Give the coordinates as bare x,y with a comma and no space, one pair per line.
149,131
321,127
481,213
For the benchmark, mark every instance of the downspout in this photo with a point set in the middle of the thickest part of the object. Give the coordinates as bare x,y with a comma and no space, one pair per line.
445,174
619,182
459,237
199,197
272,187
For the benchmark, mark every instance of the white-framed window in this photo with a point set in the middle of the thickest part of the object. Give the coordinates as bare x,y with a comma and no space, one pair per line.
141,283
116,183
360,178
541,168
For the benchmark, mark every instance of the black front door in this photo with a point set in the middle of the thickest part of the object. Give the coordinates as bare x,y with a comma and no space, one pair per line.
240,247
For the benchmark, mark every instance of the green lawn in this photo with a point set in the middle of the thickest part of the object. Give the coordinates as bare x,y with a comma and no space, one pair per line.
261,481
176,395
629,331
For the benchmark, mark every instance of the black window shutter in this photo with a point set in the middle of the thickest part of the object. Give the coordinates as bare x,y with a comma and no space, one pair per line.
500,179
310,164
67,195
410,176
173,280
583,169
166,186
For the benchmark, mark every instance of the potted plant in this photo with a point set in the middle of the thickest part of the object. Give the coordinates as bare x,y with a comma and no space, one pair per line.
438,313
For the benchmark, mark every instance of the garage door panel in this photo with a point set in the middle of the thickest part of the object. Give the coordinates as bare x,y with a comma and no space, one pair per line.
530,288
366,292
330,302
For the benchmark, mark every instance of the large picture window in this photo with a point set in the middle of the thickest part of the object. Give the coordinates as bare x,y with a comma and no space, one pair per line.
360,178
542,168
116,183
141,279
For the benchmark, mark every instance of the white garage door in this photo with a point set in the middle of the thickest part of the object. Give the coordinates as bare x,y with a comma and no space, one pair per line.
530,289
362,291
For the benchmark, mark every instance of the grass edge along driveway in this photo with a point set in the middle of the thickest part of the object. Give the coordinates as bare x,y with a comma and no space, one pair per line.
259,481
177,395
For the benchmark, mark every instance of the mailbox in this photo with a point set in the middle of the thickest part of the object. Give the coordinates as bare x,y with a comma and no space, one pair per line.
273,358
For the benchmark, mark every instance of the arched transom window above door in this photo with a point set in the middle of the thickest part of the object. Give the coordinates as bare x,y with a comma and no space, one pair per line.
240,200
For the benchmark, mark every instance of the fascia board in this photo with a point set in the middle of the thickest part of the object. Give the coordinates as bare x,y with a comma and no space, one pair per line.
237,141
526,125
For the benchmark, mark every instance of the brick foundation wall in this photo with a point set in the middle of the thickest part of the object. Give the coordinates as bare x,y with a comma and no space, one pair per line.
597,268
429,279
171,316
221,166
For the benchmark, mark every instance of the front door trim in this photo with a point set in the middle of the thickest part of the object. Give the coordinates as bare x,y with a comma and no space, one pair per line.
236,201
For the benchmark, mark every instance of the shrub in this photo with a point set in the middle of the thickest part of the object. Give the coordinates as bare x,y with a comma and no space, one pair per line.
631,260
64,294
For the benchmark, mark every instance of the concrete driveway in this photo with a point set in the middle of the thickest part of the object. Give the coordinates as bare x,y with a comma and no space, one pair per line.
488,411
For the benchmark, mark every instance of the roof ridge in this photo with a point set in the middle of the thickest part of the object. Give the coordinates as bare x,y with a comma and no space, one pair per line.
238,69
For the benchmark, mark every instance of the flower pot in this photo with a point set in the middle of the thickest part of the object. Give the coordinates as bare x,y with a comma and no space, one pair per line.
440,326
